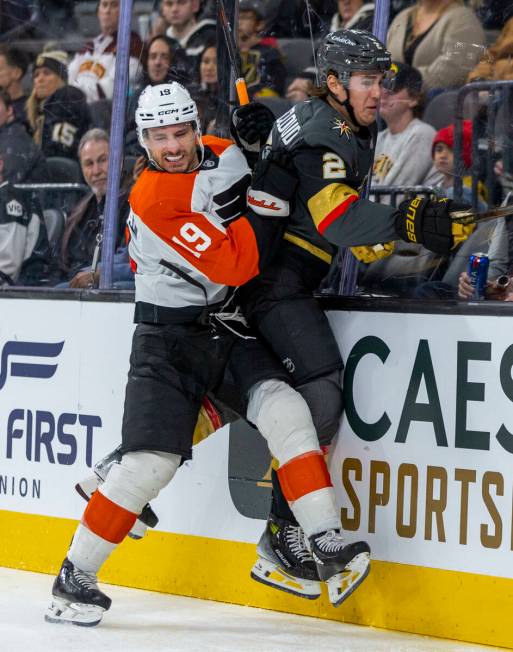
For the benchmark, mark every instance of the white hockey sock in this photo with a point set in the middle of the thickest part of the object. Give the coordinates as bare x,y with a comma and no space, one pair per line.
317,511
88,551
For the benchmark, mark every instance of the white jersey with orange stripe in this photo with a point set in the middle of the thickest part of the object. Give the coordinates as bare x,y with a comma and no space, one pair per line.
188,241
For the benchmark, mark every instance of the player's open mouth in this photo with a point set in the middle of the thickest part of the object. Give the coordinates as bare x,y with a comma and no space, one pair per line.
173,159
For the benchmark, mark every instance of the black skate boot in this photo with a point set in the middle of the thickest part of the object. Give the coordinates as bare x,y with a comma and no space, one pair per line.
284,560
147,518
343,566
76,598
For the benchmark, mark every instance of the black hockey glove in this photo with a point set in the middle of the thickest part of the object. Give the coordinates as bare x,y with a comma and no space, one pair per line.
428,222
273,185
251,125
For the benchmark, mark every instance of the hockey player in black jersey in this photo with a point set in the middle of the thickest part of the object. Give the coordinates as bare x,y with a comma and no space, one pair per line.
325,146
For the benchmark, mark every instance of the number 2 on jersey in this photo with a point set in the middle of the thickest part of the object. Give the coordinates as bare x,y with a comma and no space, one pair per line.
333,167
193,234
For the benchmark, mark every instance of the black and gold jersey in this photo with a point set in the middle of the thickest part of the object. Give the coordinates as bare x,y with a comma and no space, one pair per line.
332,160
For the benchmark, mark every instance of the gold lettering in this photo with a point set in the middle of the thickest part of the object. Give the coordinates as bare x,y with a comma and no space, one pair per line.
353,465
434,505
492,540
378,498
409,529
465,476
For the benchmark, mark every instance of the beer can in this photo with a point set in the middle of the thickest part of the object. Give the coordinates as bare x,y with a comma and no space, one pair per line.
478,273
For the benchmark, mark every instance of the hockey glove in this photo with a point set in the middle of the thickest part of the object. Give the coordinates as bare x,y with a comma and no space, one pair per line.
428,222
372,254
251,125
273,185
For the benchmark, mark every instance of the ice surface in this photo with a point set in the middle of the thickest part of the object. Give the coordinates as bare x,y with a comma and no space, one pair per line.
143,621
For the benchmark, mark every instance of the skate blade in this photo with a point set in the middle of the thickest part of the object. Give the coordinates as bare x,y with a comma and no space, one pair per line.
64,612
271,574
343,584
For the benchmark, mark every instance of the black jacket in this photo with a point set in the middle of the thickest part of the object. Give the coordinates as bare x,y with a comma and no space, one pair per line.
63,121
23,160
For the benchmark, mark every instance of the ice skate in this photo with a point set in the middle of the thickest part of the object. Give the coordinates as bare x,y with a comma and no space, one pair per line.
147,518
284,561
76,598
343,566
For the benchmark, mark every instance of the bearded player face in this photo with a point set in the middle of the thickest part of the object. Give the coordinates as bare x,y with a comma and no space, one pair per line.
173,147
364,94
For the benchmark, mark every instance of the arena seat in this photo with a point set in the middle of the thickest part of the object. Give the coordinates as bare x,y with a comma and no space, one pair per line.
101,112
54,221
297,54
63,170
440,111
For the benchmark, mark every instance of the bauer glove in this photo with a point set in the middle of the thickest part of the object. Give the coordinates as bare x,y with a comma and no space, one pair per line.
273,184
428,222
372,254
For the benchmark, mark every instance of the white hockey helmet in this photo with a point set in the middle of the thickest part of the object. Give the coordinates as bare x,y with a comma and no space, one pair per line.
163,105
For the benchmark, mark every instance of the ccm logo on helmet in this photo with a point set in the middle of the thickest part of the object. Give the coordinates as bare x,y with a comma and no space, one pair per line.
168,111
411,214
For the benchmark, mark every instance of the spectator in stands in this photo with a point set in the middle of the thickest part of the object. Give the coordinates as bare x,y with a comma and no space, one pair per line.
497,63
57,113
353,14
403,149
500,273
262,65
22,159
443,158
206,95
191,34
92,69
24,249
441,38
301,87
13,67
162,61
85,222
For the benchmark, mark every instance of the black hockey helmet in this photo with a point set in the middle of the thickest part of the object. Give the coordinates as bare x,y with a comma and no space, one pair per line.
351,50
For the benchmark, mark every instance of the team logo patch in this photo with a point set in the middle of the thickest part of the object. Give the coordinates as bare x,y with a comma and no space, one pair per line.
14,208
342,127
208,164
289,365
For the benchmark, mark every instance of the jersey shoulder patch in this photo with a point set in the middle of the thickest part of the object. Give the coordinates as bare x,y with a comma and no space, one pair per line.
327,129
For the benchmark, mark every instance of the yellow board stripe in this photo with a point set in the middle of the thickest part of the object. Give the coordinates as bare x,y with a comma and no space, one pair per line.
308,246
415,599
327,200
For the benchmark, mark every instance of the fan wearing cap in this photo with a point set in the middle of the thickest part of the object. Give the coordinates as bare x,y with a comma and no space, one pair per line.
261,61
57,113
403,149
443,156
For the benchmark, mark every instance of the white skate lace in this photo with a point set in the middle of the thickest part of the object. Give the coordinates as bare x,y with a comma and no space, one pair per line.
295,539
87,580
330,541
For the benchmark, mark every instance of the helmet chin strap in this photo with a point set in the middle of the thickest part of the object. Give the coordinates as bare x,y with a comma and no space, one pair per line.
346,105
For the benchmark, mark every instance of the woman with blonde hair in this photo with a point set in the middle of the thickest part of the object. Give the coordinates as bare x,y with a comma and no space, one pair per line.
57,113
443,39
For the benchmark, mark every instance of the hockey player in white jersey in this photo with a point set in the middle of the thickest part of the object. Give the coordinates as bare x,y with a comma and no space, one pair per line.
191,238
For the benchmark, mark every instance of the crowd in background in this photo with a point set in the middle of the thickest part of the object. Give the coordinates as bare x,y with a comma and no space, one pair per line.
57,63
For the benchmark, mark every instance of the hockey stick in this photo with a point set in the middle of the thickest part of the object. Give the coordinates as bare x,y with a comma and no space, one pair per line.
240,82
470,217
